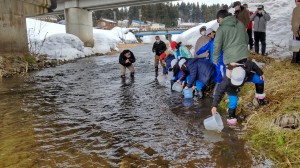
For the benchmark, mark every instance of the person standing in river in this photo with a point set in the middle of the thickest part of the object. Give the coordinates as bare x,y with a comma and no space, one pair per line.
126,60
159,47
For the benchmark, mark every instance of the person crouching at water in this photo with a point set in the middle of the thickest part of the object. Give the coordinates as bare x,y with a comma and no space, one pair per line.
126,60
235,77
198,72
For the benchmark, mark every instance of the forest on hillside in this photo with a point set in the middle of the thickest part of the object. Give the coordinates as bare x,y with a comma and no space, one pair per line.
166,13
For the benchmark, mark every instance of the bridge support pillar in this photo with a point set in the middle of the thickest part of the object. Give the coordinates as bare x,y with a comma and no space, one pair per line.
79,23
13,33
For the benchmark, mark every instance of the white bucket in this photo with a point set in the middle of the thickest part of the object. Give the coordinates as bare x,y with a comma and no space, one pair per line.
214,123
294,45
170,75
168,84
161,79
177,87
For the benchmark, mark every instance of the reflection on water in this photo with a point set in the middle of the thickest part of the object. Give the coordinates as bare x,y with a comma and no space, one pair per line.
83,115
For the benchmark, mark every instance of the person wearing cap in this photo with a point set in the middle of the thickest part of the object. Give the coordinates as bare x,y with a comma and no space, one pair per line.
201,42
225,7
260,18
158,48
167,58
231,38
250,28
197,72
220,66
126,59
241,13
296,29
180,51
238,75
178,75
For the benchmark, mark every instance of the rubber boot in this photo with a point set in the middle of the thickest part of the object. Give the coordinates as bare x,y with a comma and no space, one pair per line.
132,74
200,94
156,71
295,56
232,121
298,58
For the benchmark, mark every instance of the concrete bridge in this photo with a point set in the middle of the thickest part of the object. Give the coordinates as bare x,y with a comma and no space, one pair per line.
78,15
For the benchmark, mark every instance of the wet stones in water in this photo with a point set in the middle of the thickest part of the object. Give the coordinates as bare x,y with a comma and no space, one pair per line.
291,121
149,151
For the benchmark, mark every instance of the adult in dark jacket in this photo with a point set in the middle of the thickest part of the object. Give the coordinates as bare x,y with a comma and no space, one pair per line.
247,72
296,29
159,47
250,28
260,18
126,59
198,72
241,13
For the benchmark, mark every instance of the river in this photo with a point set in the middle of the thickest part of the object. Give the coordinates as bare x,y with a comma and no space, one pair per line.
82,114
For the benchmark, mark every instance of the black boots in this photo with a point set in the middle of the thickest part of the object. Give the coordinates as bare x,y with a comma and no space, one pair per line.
296,58
132,74
156,71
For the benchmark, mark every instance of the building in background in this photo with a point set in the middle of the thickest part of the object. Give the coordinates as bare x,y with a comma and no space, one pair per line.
106,24
185,25
140,24
123,23
157,26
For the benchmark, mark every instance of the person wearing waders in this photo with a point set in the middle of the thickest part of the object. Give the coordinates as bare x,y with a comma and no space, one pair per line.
296,29
241,73
260,18
126,59
158,48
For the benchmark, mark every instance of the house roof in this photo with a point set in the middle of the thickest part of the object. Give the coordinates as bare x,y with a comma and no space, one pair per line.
108,20
139,22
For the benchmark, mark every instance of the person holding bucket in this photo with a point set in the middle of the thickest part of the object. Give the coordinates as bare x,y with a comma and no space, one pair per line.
234,79
296,29
197,71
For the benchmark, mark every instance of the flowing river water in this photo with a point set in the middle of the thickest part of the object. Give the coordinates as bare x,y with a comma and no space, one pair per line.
83,114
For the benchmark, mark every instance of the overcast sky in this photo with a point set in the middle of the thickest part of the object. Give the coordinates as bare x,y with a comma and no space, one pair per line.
210,2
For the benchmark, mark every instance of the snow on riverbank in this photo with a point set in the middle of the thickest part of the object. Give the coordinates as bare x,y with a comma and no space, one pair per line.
278,28
52,40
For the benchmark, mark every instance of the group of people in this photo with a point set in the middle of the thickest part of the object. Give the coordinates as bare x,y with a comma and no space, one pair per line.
220,58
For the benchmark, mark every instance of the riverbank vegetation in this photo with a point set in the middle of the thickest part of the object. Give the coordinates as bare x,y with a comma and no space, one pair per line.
263,134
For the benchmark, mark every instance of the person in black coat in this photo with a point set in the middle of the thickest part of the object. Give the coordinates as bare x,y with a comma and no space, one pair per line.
231,83
158,48
126,60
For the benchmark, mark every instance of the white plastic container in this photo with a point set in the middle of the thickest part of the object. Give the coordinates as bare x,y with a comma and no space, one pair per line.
188,93
294,45
177,87
170,75
168,84
214,123
161,79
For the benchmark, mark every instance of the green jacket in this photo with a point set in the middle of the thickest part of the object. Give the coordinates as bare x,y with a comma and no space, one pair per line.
232,39
183,52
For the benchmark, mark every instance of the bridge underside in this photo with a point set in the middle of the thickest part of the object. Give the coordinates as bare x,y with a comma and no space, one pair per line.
92,5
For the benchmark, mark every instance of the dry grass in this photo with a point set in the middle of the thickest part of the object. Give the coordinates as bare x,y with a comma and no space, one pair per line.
125,46
282,87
